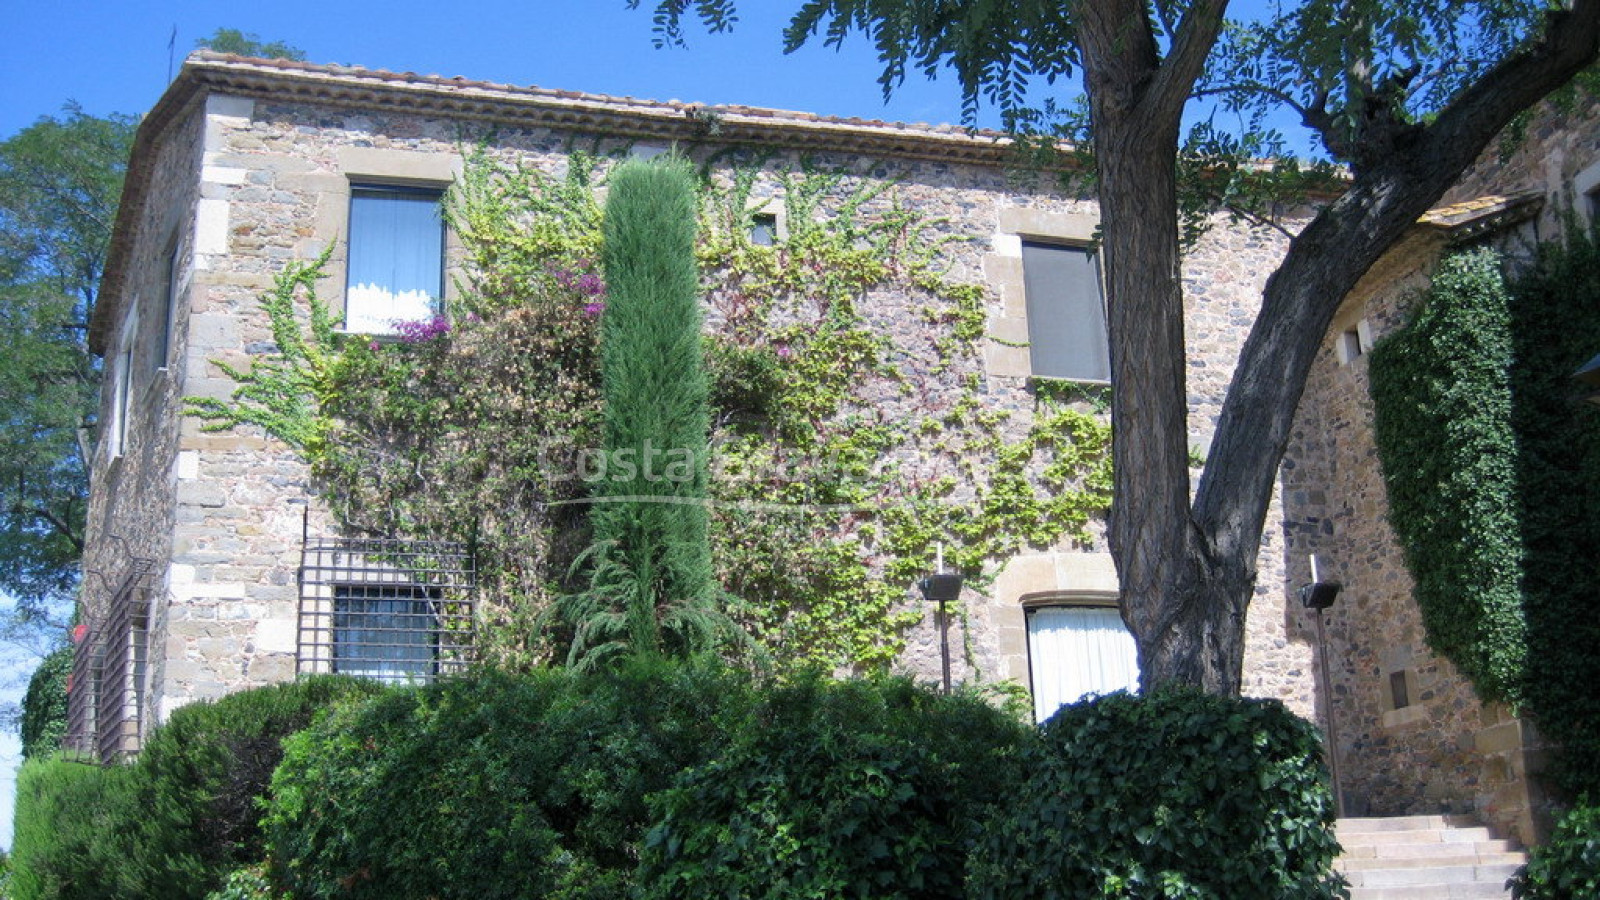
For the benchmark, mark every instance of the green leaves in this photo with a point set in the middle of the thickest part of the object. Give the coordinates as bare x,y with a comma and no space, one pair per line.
1442,417
60,180
1176,794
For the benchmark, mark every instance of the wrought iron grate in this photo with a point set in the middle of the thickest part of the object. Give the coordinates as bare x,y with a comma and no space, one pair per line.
393,610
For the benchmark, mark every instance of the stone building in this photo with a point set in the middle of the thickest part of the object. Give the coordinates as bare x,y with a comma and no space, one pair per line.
212,565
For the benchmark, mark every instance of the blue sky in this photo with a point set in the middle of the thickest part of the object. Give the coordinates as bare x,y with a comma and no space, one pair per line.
114,57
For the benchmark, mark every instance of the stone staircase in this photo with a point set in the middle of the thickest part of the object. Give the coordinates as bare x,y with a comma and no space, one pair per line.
1424,858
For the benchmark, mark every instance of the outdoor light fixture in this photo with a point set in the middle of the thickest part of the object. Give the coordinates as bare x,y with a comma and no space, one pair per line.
1589,377
942,588
1319,595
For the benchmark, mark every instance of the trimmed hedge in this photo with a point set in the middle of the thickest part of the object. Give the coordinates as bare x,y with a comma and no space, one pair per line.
1567,867
178,820
836,789
494,785
199,780
70,820
1178,794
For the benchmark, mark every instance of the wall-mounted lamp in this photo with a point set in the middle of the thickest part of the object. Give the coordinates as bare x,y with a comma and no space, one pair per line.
942,588
1319,595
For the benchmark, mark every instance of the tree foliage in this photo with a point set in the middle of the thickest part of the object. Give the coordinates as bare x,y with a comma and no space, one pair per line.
60,181
240,43
652,589
1406,95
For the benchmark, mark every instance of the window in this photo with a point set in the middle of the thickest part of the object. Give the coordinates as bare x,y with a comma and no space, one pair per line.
1066,312
162,347
396,265
116,436
763,229
1354,342
396,611
386,631
1075,651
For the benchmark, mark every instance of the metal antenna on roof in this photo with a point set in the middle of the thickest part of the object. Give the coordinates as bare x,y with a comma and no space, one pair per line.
172,43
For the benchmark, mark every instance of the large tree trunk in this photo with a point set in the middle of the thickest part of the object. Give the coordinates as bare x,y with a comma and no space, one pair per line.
1171,595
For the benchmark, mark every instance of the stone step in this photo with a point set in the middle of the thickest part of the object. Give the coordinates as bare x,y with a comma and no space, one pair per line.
1396,877
1370,824
1425,858
1432,849
1414,836
1361,864
1433,892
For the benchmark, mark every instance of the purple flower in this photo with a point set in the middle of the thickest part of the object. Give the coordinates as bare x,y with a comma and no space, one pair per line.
784,351
419,331
593,309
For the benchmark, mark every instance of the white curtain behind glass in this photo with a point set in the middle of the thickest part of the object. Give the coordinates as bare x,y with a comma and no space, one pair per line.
396,266
1078,650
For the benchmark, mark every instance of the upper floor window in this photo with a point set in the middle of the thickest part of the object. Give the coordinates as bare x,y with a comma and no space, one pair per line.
396,264
1066,312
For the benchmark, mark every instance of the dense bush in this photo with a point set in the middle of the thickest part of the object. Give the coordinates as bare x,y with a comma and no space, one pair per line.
71,819
198,781
836,789
1174,795
44,707
1567,867
1556,324
493,786
175,822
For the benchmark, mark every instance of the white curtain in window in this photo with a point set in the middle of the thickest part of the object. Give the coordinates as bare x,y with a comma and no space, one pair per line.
396,266
1078,650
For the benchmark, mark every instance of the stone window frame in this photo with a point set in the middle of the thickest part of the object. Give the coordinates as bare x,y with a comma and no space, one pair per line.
1414,710
124,362
375,166
1352,340
1007,353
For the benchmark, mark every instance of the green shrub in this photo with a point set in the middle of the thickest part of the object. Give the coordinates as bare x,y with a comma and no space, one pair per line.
70,820
199,780
44,707
493,786
1567,867
1174,795
836,789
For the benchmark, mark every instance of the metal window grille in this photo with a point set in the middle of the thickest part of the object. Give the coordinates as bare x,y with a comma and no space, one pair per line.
105,697
120,697
82,688
392,610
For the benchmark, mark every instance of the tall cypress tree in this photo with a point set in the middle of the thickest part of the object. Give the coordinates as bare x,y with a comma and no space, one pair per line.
652,590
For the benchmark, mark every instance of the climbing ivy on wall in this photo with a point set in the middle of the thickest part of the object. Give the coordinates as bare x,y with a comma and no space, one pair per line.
1492,461
1442,414
853,427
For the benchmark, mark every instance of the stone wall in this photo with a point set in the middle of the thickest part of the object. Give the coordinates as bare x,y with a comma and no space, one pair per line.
273,186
